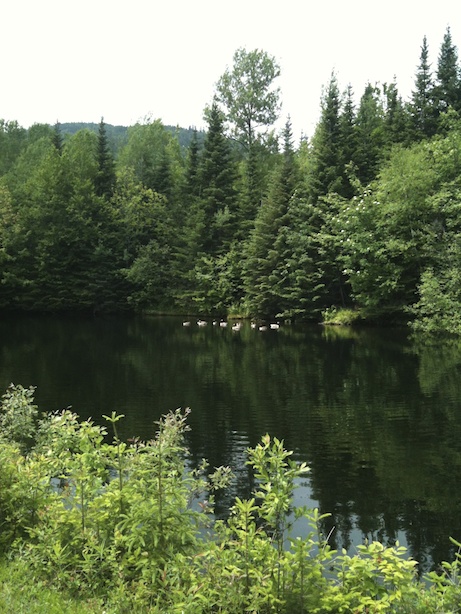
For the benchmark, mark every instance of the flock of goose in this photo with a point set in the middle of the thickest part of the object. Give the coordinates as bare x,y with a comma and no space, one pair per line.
236,326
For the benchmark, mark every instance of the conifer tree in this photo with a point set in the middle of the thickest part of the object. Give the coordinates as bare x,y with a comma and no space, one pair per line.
348,144
448,88
191,182
105,177
217,174
326,170
422,104
266,250
396,119
57,138
370,131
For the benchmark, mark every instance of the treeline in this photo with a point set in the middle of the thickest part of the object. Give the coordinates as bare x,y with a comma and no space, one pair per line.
363,216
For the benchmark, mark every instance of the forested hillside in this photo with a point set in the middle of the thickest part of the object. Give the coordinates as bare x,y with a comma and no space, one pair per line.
117,136
364,216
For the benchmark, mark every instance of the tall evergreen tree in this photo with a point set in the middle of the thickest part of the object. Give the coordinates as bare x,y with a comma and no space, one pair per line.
217,174
264,274
191,181
326,169
396,118
370,131
57,138
448,88
105,177
348,139
422,105
190,210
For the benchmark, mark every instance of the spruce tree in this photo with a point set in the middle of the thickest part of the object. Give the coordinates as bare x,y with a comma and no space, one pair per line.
105,177
57,138
396,118
217,174
448,88
326,168
370,132
191,182
264,275
422,106
348,144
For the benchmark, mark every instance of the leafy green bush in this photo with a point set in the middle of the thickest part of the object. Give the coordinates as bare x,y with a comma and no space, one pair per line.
340,316
129,527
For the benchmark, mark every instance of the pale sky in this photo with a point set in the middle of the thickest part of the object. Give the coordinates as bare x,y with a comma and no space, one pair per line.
70,61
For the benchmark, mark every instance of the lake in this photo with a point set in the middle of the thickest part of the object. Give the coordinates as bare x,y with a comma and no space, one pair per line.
374,413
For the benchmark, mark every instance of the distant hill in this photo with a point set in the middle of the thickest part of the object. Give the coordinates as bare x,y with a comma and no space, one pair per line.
118,135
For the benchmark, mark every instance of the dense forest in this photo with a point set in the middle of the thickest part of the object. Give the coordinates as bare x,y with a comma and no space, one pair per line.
362,218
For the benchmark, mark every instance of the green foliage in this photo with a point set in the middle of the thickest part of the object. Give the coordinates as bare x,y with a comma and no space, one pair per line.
216,175
423,106
129,526
438,309
23,593
362,216
216,282
448,87
248,94
13,140
18,415
376,579
340,316
105,177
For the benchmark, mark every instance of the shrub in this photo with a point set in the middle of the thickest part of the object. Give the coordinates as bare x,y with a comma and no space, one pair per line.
129,527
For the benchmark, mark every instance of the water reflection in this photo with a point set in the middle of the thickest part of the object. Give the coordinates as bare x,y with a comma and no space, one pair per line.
376,414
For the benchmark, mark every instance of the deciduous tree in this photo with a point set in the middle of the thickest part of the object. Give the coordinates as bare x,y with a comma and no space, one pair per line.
248,94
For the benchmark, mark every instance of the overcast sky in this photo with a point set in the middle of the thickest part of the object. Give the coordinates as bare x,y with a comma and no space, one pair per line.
71,61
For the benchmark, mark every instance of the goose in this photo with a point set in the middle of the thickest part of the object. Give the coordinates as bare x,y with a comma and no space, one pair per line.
262,328
201,322
253,325
237,326
186,323
274,326
223,324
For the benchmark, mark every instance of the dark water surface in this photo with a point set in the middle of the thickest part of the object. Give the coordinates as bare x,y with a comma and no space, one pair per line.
376,415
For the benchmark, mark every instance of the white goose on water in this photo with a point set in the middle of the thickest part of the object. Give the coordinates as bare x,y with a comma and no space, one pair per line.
201,322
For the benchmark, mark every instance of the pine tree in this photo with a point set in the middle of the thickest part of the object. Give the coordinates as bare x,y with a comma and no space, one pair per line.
105,177
370,131
396,119
448,88
326,169
348,139
422,105
58,140
266,251
191,183
217,174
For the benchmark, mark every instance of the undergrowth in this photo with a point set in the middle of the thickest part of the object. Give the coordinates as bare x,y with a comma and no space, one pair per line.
93,523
